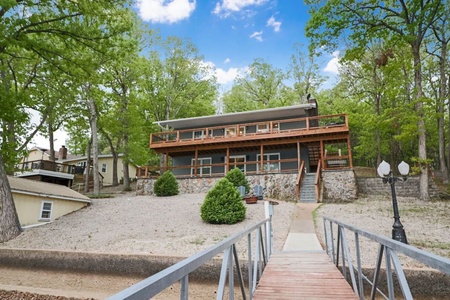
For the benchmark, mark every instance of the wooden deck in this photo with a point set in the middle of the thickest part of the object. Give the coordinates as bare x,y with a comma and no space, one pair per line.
302,275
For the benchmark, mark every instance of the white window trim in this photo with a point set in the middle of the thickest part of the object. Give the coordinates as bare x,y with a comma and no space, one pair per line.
200,166
202,134
106,168
258,158
42,210
232,165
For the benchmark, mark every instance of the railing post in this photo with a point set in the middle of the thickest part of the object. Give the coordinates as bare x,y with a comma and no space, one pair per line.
358,262
184,288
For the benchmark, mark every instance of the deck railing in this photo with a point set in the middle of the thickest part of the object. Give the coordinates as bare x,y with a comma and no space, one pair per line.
45,165
256,261
250,129
184,171
339,249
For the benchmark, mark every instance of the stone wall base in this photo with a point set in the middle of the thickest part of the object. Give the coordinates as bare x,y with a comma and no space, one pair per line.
275,186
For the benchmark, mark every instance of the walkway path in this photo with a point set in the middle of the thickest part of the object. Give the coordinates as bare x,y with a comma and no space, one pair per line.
302,270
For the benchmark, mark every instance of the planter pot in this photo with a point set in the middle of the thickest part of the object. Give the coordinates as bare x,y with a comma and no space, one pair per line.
251,200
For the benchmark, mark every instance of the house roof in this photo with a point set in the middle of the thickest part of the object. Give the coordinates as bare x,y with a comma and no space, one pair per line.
44,189
285,112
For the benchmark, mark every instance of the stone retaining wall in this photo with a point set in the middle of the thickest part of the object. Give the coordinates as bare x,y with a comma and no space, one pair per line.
275,186
339,186
408,188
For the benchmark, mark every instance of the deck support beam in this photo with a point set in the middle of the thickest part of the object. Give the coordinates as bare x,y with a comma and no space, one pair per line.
261,166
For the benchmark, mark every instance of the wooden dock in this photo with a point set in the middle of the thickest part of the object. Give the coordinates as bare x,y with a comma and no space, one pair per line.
302,275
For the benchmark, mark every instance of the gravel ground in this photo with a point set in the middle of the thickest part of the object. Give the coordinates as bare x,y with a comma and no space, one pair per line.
146,225
427,224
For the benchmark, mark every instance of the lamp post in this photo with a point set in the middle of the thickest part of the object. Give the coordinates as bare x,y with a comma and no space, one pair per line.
385,172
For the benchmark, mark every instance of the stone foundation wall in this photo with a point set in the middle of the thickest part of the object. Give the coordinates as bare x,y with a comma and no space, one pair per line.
275,186
408,188
339,186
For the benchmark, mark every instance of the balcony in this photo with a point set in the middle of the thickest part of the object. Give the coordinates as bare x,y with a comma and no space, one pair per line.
45,167
310,129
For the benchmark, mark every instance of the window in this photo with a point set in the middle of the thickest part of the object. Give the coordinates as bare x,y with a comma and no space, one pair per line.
271,162
203,166
46,210
231,131
265,127
103,168
201,134
238,162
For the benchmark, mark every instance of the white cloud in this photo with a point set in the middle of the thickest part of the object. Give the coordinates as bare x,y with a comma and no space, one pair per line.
165,11
226,7
275,24
227,60
226,76
257,35
333,65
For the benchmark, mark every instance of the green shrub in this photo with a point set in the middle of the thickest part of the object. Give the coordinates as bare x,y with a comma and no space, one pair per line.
166,185
223,204
237,178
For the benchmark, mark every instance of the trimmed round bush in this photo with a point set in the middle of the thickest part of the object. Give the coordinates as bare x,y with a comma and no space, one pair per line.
223,204
237,178
166,185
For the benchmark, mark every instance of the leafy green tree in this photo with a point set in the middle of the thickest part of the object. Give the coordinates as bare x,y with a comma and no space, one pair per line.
166,185
56,32
237,178
305,73
365,21
262,87
223,204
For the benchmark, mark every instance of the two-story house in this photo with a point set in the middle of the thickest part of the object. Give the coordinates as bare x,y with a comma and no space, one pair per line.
274,147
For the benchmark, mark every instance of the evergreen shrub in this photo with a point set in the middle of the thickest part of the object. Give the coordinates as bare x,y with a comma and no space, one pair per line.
166,185
223,204
237,178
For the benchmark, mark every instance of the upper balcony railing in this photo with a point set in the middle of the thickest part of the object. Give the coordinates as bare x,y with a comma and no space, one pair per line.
47,165
309,125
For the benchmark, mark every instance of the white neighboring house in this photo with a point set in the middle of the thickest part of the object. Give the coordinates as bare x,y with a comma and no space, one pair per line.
65,170
41,202
105,166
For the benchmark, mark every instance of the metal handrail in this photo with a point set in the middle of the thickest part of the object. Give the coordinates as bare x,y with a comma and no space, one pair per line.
339,248
158,282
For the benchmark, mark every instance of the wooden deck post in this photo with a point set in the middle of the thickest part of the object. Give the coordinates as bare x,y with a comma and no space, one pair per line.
227,161
261,166
195,162
350,158
322,156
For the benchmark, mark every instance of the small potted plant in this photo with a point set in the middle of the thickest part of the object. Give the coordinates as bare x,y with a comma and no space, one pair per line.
251,198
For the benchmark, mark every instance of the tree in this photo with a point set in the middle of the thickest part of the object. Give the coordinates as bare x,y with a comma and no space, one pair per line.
262,87
55,32
305,72
363,21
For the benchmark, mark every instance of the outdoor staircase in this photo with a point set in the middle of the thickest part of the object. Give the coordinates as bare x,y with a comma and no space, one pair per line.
307,190
313,153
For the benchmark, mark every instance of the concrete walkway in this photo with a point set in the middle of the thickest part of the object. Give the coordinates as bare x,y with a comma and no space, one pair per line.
302,236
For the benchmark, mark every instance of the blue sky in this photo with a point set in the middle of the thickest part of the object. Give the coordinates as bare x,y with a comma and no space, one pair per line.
230,34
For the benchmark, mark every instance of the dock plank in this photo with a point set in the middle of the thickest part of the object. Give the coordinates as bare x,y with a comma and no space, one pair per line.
302,275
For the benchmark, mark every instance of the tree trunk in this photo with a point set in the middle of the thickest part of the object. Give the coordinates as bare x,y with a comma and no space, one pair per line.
418,94
115,155
93,122
9,221
441,120
126,176
88,167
